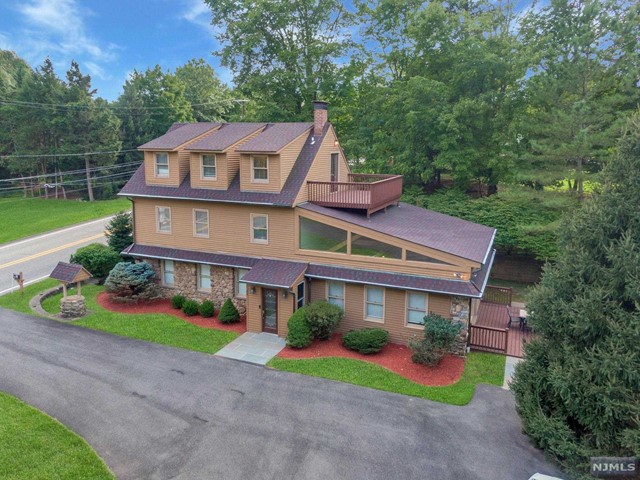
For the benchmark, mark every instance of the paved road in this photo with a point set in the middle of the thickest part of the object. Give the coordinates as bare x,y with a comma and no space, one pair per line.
158,412
36,256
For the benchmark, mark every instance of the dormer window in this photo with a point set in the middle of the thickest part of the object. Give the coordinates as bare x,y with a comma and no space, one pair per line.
209,167
260,169
162,164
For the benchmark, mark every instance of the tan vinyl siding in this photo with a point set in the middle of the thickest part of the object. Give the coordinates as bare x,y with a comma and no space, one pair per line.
273,185
183,162
229,228
320,170
289,155
317,289
172,180
197,181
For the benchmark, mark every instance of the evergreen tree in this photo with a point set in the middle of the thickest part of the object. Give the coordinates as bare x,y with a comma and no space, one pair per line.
578,388
119,231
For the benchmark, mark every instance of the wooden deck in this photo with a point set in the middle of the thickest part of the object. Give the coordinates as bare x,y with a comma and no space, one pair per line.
495,315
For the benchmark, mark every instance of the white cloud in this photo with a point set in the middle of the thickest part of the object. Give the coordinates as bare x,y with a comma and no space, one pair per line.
4,42
57,29
198,13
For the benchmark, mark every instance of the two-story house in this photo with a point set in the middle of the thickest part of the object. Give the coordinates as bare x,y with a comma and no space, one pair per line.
271,216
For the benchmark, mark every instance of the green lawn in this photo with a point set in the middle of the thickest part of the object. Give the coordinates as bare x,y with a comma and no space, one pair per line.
158,328
520,290
22,217
36,446
20,302
479,368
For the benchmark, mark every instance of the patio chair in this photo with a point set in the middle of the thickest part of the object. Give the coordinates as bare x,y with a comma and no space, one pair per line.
510,316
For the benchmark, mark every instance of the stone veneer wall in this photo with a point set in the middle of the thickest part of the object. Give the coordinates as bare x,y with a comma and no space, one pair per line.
185,283
460,314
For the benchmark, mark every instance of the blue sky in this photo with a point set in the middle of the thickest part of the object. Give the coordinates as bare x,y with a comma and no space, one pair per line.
109,39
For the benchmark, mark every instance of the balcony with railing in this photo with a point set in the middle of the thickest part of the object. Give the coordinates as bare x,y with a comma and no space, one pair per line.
363,191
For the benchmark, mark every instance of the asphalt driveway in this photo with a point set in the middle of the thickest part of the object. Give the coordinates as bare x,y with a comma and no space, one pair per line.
158,412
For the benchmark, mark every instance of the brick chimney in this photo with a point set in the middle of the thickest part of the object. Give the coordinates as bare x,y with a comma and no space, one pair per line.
319,117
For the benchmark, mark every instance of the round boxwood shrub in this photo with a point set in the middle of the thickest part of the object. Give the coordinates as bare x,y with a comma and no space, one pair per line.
97,258
298,334
229,313
207,309
190,308
322,318
367,340
177,301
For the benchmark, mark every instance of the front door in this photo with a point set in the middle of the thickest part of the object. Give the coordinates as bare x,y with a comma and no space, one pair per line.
269,310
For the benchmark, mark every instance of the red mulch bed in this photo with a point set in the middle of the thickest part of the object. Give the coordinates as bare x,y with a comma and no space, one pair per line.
164,306
394,357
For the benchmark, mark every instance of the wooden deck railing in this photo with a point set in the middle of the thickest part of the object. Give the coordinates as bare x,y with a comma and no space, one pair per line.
489,338
499,295
362,191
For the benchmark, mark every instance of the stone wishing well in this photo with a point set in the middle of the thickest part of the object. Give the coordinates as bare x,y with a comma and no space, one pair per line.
71,306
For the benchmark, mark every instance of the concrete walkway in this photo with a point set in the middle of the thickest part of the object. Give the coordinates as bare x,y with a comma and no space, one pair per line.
509,368
256,348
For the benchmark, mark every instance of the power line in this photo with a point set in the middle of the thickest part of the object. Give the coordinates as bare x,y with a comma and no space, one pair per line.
71,172
114,107
49,155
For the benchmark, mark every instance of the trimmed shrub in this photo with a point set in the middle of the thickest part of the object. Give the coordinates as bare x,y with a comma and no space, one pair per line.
298,334
440,336
322,318
207,309
131,282
177,301
366,340
97,258
229,313
190,308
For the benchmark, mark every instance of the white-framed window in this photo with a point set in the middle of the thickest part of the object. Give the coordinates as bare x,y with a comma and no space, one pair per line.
260,168
417,304
300,294
161,164
204,277
168,273
163,219
208,163
374,304
259,228
200,223
335,293
241,287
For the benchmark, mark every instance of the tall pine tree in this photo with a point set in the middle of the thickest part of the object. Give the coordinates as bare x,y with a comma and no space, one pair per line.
578,389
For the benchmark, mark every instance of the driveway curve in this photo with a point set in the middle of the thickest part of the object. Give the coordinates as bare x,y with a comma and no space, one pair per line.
158,412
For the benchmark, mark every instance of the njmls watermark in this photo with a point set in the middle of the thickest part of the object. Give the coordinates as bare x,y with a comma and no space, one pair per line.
620,467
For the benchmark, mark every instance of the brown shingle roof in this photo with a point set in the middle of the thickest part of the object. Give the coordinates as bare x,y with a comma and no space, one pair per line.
223,138
423,227
275,273
137,187
179,135
275,137
69,272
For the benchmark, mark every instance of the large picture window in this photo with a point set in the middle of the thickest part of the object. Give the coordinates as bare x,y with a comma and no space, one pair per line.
335,293
168,273
259,228
260,168
417,257
241,287
163,219
209,167
374,304
201,223
416,308
373,248
204,278
318,236
162,164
